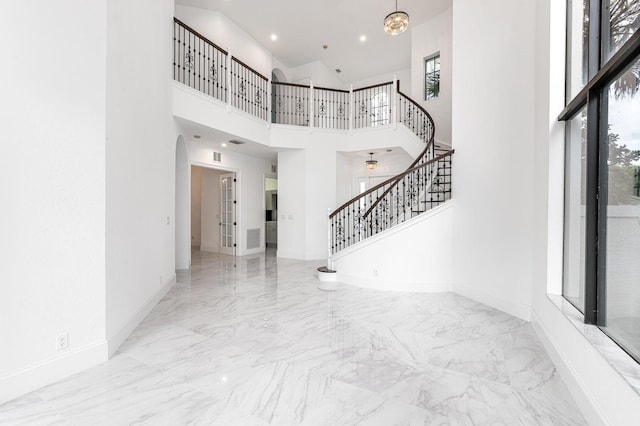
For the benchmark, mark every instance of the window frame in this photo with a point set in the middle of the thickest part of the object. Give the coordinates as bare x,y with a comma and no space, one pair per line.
433,57
594,95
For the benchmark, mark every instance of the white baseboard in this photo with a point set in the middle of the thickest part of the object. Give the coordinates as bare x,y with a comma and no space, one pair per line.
50,371
114,342
386,284
577,388
504,305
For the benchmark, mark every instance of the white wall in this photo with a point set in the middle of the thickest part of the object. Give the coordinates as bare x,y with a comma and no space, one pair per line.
196,206
225,33
52,170
182,207
344,177
492,129
404,76
319,73
250,172
389,165
210,210
427,39
140,162
394,260
292,189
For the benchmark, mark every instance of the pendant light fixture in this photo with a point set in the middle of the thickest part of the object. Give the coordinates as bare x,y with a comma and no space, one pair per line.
371,163
396,22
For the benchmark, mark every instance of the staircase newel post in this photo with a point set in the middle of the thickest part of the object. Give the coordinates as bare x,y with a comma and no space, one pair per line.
394,102
229,82
269,103
351,107
329,265
311,105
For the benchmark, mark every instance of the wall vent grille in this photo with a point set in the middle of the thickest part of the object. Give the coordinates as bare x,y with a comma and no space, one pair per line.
217,156
253,238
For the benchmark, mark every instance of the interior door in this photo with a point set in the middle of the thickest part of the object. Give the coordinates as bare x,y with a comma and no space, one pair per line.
228,213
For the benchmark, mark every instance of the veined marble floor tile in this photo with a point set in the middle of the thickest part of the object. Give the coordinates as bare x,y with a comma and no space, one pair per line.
124,391
30,410
253,341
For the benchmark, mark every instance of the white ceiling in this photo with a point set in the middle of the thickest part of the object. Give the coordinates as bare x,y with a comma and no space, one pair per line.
303,26
213,138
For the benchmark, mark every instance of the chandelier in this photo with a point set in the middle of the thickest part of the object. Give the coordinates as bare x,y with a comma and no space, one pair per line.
371,163
396,22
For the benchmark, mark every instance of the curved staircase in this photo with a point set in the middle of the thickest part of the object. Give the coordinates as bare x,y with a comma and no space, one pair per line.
424,185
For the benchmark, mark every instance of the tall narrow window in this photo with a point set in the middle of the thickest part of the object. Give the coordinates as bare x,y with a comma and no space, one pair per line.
432,76
575,158
622,313
602,167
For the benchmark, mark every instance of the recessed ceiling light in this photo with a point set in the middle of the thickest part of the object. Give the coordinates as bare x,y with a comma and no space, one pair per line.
224,145
274,37
363,38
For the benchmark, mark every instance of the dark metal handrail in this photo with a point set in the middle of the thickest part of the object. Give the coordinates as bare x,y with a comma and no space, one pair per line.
416,191
194,32
373,86
393,179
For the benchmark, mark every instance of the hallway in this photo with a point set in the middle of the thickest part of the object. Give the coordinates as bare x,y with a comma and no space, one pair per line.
257,343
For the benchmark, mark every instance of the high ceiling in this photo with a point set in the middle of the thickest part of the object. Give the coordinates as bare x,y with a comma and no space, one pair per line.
304,26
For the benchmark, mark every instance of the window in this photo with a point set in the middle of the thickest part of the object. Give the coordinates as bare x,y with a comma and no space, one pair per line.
602,167
380,109
432,76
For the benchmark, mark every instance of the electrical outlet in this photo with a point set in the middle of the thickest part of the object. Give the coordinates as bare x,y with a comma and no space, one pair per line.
62,341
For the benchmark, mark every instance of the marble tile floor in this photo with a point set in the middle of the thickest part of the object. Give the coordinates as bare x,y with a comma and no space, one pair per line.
252,341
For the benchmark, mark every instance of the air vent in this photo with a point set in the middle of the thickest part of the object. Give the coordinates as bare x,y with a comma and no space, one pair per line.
237,142
274,168
338,70
217,156
253,238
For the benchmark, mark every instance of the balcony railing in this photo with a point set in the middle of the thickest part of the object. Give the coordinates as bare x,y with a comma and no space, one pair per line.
202,65
199,63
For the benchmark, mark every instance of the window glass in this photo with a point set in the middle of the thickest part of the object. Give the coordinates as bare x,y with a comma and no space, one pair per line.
577,51
575,209
623,211
432,77
624,20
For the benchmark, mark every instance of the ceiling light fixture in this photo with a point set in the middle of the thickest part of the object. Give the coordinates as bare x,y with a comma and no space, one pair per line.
396,22
371,163
274,37
363,38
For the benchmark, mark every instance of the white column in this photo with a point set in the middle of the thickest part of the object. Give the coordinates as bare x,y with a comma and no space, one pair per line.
329,263
269,106
394,102
229,85
351,106
311,105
